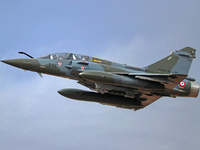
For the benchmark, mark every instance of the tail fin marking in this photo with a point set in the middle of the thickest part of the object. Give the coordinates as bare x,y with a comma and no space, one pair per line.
178,62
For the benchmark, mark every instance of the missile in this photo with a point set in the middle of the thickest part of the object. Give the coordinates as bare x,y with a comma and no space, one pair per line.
105,99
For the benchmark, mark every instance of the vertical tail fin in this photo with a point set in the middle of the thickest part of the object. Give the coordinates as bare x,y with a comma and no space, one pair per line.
178,62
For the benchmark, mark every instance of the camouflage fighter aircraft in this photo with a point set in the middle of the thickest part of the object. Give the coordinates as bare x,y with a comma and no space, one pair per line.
117,84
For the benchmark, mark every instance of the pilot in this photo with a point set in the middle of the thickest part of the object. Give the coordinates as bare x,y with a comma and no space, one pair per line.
61,56
65,56
83,58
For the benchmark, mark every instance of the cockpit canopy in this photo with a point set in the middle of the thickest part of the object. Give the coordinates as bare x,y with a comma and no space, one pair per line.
67,56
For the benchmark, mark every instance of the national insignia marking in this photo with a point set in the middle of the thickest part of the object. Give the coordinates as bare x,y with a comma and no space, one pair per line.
59,63
82,67
182,83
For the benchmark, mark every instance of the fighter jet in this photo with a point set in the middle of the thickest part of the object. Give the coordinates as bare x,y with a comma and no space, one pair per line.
118,84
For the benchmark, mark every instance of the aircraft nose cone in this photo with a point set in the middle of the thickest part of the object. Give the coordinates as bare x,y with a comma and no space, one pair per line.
13,62
27,64
5,61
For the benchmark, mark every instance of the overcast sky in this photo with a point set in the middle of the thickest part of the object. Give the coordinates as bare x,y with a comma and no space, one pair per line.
34,116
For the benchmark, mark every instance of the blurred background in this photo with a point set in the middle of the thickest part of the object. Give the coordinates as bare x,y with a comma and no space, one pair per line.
34,116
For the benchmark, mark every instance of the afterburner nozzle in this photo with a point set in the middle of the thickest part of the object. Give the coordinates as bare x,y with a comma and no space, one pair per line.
194,89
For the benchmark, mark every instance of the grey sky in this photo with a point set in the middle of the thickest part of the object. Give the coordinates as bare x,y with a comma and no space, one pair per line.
34,116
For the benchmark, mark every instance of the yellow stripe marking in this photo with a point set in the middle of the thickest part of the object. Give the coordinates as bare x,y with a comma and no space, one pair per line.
97,61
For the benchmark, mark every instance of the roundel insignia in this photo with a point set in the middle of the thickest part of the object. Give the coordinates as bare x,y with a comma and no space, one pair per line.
182,83
82,67
59,63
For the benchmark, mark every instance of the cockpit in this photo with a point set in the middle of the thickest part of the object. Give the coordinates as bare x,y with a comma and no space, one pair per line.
66,56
